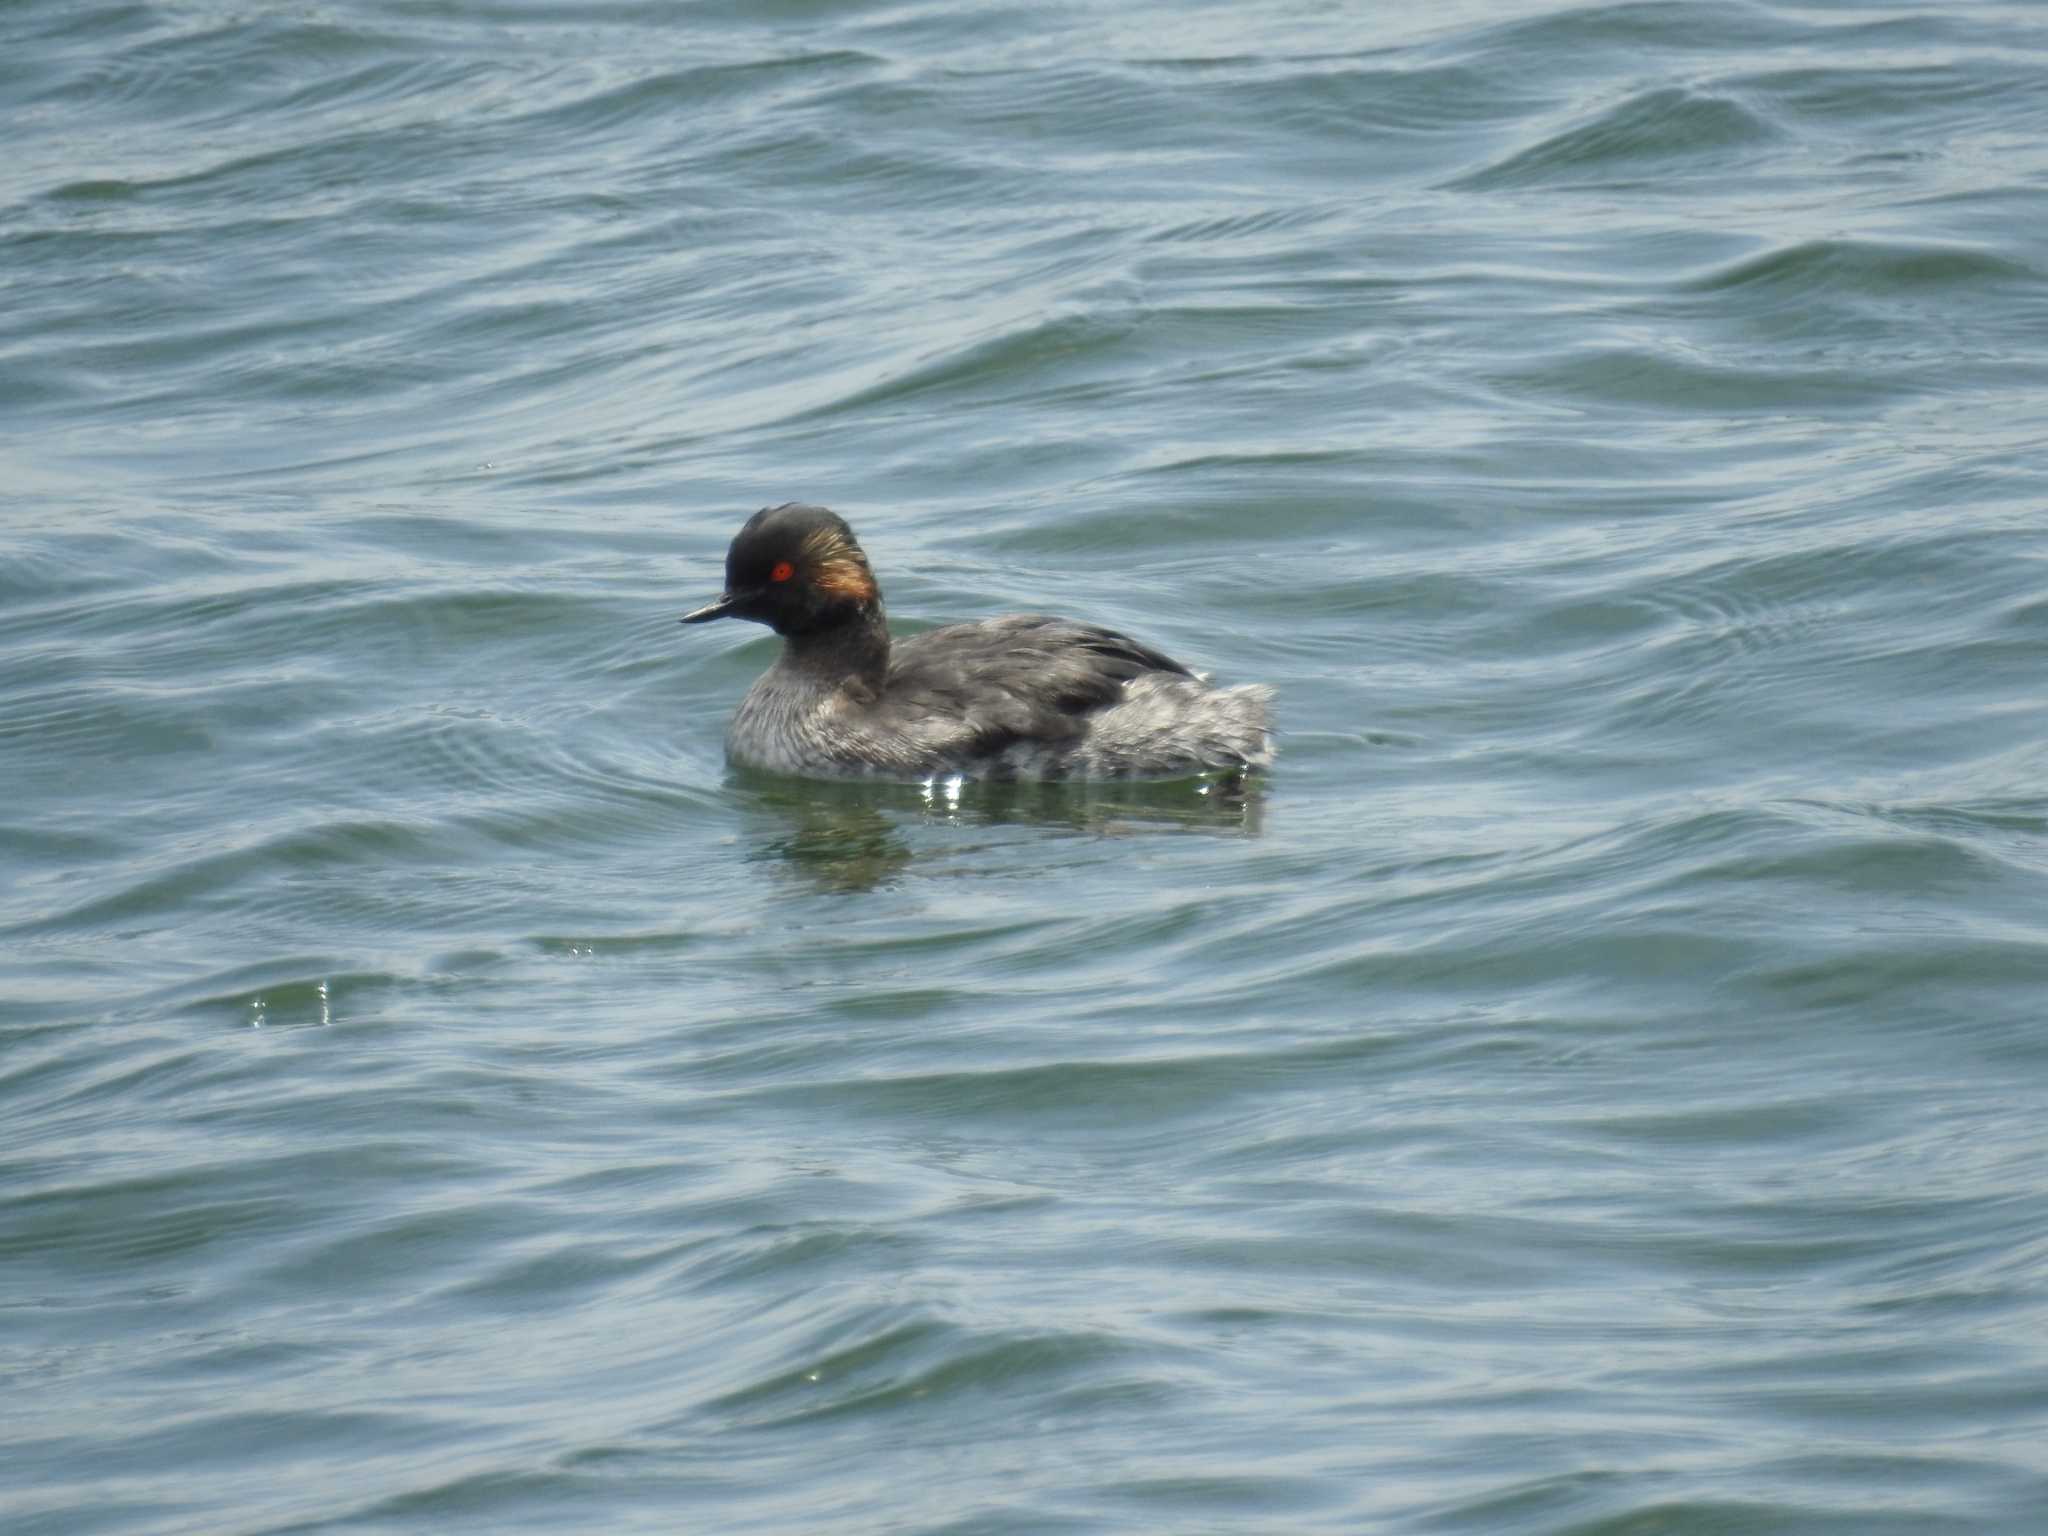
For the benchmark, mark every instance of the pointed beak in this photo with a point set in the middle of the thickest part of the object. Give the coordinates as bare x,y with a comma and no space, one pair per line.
713,610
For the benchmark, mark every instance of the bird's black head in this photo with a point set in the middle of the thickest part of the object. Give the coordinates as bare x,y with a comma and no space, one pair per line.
797,569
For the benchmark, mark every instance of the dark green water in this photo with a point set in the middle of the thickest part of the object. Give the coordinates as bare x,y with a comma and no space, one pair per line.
1598,1087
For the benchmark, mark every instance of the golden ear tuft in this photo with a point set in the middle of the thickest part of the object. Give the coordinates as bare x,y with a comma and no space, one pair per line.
837,567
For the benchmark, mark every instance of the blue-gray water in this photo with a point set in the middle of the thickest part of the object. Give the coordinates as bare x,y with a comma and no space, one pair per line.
1599,1087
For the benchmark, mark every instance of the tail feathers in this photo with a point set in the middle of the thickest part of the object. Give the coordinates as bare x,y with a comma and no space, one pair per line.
1169,725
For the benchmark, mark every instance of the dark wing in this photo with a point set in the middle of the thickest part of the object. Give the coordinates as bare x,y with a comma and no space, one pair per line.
1023,677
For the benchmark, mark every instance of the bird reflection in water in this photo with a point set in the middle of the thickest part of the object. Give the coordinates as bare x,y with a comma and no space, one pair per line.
856,835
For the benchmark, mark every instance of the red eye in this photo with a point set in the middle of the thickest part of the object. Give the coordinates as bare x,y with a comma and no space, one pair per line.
782,572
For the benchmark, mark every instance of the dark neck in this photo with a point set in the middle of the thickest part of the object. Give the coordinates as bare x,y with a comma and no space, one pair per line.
857,647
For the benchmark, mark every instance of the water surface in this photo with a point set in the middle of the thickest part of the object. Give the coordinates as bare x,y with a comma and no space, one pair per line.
1595,1085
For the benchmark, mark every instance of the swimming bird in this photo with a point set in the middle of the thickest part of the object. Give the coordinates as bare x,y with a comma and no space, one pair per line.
1023,696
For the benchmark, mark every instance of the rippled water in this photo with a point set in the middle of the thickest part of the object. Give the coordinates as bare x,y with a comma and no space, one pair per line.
1596,1086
